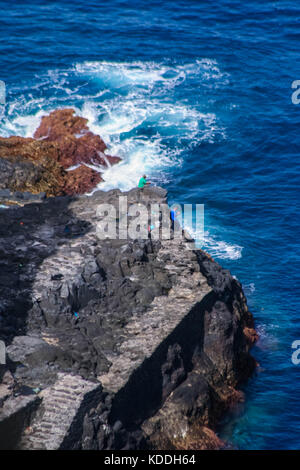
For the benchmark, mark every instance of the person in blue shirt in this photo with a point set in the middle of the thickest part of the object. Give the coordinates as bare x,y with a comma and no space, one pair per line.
173,213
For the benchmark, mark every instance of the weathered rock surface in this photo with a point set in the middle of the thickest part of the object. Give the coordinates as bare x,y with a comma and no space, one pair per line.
30,165
81,180
76,143
60,416
155,335
39,164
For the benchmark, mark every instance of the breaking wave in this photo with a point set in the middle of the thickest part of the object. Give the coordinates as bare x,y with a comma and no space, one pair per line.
133,106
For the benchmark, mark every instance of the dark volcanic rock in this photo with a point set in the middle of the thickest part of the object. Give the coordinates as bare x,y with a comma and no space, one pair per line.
134,343
81,180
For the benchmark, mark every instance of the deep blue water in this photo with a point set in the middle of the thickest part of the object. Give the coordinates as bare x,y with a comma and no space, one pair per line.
198,96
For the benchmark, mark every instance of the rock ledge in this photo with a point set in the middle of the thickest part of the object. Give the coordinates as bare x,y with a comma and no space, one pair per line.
119,344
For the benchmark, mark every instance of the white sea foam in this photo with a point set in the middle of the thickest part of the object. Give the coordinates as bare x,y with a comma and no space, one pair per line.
218,249
221,249
122,74
118,75
249,288
267,340
131,106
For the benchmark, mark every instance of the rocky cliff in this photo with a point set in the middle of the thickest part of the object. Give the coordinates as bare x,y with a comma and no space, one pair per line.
114,344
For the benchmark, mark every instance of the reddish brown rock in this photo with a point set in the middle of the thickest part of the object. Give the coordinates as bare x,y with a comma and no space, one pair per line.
30,165
82,180
199,438
251,335
39,164
76,142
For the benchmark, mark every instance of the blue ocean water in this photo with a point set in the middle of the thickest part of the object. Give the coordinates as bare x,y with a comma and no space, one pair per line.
198,96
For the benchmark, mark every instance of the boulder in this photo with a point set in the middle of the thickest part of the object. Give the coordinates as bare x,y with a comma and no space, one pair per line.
38,165
76,142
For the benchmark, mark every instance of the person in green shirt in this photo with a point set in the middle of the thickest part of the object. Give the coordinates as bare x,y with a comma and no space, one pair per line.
143,182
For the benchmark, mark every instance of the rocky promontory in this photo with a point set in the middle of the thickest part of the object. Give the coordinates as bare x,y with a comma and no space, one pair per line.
114,344
40,165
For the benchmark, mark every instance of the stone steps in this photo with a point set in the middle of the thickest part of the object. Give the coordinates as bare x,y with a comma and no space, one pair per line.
60,404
